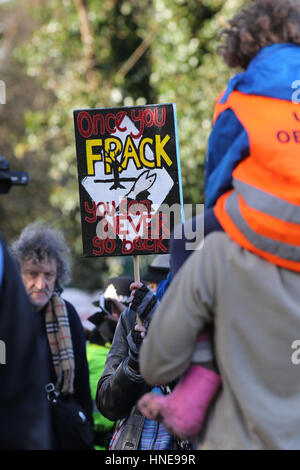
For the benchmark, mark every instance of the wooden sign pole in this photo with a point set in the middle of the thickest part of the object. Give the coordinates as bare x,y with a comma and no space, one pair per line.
136,269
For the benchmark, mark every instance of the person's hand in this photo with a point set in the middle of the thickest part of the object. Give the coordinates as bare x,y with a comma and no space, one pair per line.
142,329
142,301
133,288
135,339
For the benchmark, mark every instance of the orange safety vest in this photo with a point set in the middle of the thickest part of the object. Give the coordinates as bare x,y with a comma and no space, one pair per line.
262,212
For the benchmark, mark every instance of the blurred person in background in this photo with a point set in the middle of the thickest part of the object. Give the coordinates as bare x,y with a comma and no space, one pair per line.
24,414
157,272
112,303
121,383
42,256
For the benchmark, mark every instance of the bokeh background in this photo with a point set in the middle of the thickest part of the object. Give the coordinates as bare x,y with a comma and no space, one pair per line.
60,55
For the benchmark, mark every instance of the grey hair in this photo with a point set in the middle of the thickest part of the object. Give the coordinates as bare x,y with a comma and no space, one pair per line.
38,243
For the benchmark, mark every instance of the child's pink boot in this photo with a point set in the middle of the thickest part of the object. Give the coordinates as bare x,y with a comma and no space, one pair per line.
183,411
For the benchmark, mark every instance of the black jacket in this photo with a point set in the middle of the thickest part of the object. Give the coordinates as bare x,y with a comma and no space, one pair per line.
81,380
24,412
119,388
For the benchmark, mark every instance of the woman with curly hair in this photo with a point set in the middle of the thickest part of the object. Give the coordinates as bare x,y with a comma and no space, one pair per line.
252,194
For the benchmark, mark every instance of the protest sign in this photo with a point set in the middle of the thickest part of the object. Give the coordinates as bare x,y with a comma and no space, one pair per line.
129,179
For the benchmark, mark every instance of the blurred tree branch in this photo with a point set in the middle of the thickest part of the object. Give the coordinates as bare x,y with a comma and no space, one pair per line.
135,56
87,38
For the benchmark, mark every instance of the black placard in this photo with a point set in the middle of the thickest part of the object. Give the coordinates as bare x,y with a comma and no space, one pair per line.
129,178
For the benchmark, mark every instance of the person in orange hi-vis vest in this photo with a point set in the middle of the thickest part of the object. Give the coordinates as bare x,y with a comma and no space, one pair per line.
252,193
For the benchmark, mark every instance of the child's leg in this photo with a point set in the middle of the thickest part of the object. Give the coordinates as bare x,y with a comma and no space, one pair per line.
183,411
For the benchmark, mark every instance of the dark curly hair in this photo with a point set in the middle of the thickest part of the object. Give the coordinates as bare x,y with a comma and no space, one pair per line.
260,23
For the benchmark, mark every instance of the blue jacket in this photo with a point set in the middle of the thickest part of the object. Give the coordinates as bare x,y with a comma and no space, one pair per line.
271,73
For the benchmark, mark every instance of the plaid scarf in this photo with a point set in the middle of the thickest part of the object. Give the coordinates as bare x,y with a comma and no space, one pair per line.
60,341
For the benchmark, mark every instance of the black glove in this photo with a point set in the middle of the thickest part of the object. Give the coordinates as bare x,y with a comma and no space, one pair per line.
134,339
144,303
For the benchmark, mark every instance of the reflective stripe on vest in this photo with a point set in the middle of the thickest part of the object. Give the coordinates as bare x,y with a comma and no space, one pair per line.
265,202
262,213
278,248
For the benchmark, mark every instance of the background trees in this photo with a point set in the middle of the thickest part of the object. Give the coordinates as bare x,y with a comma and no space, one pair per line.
60,55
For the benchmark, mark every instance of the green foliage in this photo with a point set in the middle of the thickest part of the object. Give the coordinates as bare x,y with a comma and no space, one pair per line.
134,52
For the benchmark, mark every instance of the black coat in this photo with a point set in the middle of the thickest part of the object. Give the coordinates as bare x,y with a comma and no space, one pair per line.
81,381
119,388
24,413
